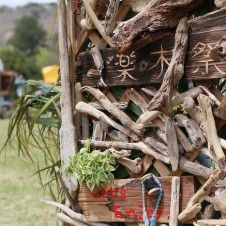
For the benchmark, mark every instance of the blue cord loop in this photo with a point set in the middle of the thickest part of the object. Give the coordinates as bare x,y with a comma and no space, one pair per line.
147,185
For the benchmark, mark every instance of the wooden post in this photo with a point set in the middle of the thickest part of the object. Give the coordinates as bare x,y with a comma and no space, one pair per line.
67,130
175,198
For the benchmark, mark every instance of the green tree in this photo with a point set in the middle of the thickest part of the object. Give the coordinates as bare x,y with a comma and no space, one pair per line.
16,61
28,35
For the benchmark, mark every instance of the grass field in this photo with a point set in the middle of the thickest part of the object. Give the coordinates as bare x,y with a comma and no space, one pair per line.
20,192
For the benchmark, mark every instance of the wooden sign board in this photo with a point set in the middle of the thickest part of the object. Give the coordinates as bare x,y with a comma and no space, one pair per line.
148,65
122,202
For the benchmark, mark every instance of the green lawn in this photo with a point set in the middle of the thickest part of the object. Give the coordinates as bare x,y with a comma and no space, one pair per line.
20,192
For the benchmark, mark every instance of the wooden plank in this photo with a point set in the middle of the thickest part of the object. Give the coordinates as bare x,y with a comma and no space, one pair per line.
148,65
122,202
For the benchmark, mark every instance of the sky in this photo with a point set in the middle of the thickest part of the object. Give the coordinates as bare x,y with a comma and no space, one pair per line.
15,3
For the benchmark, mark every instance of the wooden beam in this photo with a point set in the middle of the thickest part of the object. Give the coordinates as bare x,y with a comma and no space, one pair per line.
67,130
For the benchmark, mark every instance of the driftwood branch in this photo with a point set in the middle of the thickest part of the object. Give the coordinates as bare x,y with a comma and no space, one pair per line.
110,18
137,99
87,109
148,117
175,70
175,199
66,219
210,130
96,22
193,129
192,109
193,93
138,5
133,166
209,222
152,24
194,206
131,146
173,148
158,146
120,115
76,216
120,105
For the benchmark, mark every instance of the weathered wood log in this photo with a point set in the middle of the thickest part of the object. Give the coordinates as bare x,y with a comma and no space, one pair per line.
118,154
147,117
152,24
118,114
194,168
212,222
194,205
175,70
137,99
208,21
221,110
96,22
138,5
99,130
193,93
67,130
220,3
192,128
87,109
116,135
210,95
210,130
219,200
98,61
120,105
131,146
175,198
110,17
192,109
209,212
158,146
183,140
133,166
173,148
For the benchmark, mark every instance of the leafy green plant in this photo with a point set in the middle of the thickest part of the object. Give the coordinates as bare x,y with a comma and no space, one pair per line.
95,168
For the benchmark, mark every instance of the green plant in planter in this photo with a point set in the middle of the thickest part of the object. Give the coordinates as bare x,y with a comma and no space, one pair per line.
95,168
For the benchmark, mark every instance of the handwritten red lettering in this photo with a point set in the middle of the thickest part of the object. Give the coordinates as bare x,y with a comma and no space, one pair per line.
118,214
128,213
123,194
96,196
150,212
112,192
103,193
159,213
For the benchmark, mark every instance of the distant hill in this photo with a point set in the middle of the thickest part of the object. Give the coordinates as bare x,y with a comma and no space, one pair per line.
8,16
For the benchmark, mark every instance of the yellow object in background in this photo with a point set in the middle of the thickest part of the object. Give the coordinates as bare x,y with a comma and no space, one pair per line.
50,74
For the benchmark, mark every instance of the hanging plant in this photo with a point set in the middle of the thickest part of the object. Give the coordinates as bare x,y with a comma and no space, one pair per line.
95,168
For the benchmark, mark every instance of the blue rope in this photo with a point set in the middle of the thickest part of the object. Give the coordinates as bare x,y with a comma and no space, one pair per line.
145,216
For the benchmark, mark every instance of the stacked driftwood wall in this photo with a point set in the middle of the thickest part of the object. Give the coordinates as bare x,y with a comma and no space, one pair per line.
116,66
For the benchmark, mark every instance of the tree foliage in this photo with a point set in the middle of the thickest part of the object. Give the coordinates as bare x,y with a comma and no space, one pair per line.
16,61
28,35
